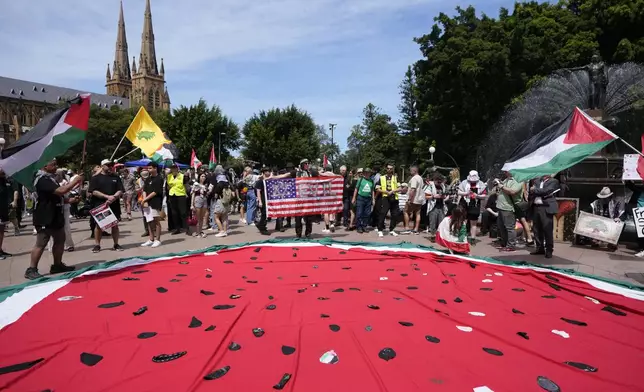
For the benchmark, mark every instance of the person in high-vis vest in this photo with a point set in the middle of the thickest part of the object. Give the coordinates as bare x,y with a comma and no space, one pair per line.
389,201
177,199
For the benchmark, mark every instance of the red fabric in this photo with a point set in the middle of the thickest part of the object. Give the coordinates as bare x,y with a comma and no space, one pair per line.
78,113
213,158
584,130
194,161
459,247
640,161
416,284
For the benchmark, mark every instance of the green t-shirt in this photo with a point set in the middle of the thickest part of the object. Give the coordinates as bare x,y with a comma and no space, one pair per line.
364,187
506,202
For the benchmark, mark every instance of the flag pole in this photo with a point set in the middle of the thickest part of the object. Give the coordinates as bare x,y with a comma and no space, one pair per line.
631,147
82,165
117,147
131,152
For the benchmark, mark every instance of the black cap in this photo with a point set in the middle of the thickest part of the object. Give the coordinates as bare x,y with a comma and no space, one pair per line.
265,169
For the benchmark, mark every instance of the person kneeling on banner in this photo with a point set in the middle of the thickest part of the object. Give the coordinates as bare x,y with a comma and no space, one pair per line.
452,232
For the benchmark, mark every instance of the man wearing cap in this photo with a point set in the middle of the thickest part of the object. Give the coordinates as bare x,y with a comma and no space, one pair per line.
178,199
544,207
106,188
389,201
608,206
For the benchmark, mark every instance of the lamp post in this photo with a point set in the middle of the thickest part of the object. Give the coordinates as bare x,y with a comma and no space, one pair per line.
432,150
332,128
219,152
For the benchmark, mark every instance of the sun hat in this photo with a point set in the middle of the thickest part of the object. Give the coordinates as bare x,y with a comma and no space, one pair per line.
473,176
605,193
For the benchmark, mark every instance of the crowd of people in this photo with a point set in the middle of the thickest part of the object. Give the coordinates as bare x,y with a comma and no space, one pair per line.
198,201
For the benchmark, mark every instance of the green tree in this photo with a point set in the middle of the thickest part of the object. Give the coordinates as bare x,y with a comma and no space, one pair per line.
280,136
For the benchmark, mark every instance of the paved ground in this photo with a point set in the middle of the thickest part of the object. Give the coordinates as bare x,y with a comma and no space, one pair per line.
620,265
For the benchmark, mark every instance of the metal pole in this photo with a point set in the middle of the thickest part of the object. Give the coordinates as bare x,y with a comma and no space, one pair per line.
632,148
219,149
332,128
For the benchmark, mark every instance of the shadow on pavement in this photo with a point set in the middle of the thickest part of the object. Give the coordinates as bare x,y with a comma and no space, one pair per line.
556,260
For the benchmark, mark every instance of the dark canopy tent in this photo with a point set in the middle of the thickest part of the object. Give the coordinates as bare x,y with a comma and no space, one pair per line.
145,162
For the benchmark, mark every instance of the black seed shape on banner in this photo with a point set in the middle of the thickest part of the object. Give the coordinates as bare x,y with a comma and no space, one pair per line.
206,292
549,296
301,290
374,307
354,289
184,262
398,299
271,297
442,301
574,322
377,291
253,258
323,298
517,311
582,366
288,350
338,291
614,311
259,268
208,276
140,311
552,277
240,289
251,281
315,267
280,385
162,290
161,358
524,335
485,289
217,373
547,384
195,322
381,260
228,262
223,307
403,275
412,288
445,281
458,300
140,272
146,335
554,286
324,258
234,296
234,346
416,269
130,278
111,305
280,278
387,354
346,268
432,339
472,265
390,270
334,327
295,248
271,307
451,275
520,290
182,275
304,276
492,351
294,254
437,311
175,280
256,250
244,277
406,323
258,332
90,359
368,328
324,315
210,328
20,366
343,252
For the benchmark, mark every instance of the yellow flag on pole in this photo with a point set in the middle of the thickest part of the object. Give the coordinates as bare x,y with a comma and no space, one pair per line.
145,133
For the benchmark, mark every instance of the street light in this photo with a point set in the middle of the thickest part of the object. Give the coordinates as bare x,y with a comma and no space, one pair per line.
432,150
219,153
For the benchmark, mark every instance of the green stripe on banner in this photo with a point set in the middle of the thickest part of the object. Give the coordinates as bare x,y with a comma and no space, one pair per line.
559,162
11,290
58,146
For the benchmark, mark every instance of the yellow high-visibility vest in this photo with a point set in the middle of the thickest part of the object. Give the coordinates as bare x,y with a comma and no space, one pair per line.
175,185
383,185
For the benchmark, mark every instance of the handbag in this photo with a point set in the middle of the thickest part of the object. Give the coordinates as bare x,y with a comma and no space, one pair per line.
191,220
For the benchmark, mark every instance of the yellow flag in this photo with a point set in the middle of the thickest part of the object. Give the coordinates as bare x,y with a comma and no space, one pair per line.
145,134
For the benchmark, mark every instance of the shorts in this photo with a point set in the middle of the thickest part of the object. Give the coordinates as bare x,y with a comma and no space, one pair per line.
44,234
201,202
150,214
412,208
4,216
219,207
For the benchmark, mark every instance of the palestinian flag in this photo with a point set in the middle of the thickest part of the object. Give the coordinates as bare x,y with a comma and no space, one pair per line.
194,161
50,138
558,147
213,158
321,316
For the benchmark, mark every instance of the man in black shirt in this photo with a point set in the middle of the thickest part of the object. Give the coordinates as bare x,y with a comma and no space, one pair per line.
107,188
49,220
153,204
261,200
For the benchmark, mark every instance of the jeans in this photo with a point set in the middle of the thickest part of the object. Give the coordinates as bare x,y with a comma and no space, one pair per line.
506,226
436,216
346,208
363,211
251,206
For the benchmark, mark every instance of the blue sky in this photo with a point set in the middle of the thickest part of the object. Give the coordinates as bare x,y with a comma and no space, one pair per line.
328,57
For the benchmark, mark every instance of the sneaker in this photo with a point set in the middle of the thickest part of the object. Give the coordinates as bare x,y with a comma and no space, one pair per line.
406,232
176,232
639,254
34,232
415,232
325,231
251,224
5,254
16,232
117,248
96,249
380,234
264,232
32,274
61,268
70,249
155,244
332,228
393,234
221,234
195,234
530,243
508,249
147,243
360,230
202,234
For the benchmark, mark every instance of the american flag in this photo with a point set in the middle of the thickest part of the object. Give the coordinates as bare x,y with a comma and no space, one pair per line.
303,196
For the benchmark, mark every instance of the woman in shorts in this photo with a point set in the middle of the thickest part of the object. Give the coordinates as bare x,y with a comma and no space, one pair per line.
199,203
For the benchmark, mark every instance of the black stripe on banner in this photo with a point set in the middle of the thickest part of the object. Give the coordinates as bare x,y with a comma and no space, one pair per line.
542,138
36,133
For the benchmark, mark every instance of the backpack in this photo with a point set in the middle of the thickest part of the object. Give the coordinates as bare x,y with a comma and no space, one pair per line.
226,196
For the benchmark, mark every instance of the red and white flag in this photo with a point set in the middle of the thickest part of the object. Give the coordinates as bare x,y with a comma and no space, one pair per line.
325,162
444,237
194,161
213,158
303,196
640,161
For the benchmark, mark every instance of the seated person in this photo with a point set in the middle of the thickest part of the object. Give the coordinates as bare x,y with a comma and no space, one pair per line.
452,232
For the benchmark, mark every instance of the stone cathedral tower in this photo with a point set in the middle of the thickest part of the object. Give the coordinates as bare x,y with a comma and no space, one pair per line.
145,85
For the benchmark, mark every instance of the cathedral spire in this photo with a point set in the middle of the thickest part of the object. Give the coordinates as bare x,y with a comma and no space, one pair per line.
121,57
162,72
108,76
148,52
133,65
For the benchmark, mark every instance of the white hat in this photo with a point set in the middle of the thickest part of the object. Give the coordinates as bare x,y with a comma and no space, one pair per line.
404,185
360,170
605,193
2,141
473,176
106,162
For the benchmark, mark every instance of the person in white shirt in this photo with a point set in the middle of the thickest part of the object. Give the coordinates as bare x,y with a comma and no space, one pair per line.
416,198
